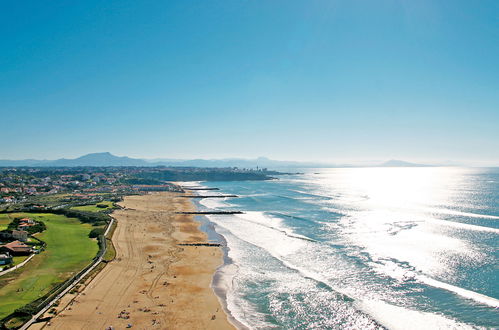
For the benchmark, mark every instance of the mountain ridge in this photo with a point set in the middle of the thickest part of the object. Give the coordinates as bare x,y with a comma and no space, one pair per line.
104,159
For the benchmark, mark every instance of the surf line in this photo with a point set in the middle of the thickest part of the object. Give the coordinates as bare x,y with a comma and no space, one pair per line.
478,297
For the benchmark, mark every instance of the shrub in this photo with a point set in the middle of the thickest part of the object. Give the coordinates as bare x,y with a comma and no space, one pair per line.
96,232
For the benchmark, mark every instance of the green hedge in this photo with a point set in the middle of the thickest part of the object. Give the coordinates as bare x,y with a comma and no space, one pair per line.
96,232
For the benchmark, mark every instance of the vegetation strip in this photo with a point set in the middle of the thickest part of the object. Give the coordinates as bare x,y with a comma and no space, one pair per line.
38,306
68,250
73,283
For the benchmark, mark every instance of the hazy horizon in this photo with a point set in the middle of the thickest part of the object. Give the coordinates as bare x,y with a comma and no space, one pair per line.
366,162
323,81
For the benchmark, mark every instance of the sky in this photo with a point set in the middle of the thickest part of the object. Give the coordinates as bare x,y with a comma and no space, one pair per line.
315,80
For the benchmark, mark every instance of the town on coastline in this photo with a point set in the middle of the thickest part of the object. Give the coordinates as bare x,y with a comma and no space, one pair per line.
19,185
60,220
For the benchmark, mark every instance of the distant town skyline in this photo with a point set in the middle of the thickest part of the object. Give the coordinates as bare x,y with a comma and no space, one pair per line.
323,81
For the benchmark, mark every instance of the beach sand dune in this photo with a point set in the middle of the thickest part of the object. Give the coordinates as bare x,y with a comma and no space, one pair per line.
153,283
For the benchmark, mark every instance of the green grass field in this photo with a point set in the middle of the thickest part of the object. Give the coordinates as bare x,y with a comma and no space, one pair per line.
5,219
93,207
68,250
18,260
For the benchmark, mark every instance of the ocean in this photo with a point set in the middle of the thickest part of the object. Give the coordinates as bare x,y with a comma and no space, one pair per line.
360,248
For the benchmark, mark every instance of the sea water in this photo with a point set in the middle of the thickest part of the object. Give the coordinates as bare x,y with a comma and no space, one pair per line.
361,248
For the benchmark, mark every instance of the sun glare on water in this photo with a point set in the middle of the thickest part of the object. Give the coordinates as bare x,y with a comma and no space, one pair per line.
397,213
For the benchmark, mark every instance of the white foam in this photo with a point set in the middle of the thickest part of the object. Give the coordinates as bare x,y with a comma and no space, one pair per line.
394,270
224,286
463,214
395,317
253,228
464,226
213,203
256,228
241,309
271,222
192,184
399,231
478,297
383,312
274,242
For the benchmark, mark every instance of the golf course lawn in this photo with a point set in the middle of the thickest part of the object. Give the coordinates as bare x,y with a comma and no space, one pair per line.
93,207
68,250
5,219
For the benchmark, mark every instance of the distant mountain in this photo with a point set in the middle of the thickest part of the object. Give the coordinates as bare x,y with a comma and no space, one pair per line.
95,159
400,163
98,159
107,159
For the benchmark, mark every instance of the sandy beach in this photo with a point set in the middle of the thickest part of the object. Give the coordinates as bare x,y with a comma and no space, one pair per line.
153,282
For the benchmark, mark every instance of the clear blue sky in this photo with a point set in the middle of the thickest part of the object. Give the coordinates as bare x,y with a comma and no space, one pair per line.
299,80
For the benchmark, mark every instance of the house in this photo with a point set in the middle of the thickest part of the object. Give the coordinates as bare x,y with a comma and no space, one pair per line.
5,259
16,248
20,235
27,221
24,226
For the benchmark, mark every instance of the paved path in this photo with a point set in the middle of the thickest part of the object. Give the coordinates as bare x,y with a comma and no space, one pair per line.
17,266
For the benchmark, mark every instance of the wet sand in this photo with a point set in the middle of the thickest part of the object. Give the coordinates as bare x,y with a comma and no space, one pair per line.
153,283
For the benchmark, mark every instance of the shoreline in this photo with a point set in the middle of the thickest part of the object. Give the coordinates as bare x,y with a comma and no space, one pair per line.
153,282
221,279
223,275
